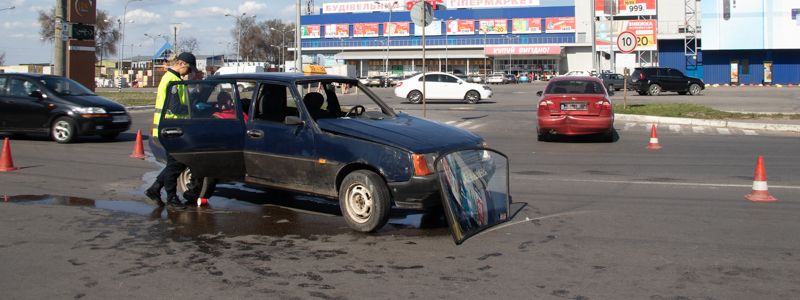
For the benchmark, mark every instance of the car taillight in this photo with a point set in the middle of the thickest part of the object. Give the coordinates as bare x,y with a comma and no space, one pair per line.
545,105
420,165
603,104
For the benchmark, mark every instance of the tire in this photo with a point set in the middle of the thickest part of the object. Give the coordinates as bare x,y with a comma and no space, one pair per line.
472,97
694,89
110,136
542,136
654,90
414,97
364,201
607,137
63,130
193,188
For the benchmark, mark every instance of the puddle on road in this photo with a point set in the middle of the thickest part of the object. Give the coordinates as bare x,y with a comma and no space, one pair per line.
287,214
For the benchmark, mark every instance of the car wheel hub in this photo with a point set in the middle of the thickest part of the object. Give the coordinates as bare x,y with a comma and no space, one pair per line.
61,130
359,203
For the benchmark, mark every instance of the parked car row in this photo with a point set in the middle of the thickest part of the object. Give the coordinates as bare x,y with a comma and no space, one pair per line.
648,81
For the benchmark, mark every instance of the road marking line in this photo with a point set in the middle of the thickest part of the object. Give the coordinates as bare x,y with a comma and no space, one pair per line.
461,125
628,126
675,128
450,122
476,126
724,131
749,132
698,129
661,183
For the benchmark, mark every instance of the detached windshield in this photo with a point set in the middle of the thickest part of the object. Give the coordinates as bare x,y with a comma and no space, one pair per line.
574,87
65,86
341,99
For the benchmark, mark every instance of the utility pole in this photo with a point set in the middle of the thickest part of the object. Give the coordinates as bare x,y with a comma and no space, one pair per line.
59,44
594,36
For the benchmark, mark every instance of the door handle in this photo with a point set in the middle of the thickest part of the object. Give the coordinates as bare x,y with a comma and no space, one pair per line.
171,132
255,133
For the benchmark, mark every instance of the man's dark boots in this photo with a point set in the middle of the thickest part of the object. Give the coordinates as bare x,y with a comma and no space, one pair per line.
173,200
154,194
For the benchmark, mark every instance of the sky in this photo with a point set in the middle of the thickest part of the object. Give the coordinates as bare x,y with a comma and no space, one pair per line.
202,19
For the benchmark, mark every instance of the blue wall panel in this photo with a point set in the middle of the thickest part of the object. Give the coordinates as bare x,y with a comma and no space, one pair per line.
785,66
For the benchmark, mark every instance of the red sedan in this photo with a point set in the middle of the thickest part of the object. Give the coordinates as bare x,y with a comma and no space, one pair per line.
575,105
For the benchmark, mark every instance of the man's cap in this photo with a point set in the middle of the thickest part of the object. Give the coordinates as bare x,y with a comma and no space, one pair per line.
189,59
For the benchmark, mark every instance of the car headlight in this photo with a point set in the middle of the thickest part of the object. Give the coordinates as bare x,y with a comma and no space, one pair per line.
89,110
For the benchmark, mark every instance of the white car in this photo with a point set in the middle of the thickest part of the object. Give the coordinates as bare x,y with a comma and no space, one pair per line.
441,86
580,73
496,78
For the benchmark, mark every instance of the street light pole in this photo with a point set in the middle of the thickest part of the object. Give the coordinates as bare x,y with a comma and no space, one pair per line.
446,41
388,34
239,38
283,44
122,49
485,70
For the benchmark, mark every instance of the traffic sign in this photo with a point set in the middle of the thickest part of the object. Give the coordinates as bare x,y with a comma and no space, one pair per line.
422,14
626,42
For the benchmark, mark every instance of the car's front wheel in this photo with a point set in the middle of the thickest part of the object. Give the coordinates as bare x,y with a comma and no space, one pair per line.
364,201
63,130
694,89
414,97
654,90
472,97
193,188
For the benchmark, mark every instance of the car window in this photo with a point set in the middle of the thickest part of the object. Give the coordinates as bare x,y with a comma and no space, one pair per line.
65,86
326,100
574,87
3,81
247,91
21,88
431,78
448,79
274,103
204,100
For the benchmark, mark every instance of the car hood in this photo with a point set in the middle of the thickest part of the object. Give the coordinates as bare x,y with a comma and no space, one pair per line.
93,101
404,131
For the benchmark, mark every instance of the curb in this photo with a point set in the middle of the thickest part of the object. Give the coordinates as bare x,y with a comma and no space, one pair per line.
138,108
712,123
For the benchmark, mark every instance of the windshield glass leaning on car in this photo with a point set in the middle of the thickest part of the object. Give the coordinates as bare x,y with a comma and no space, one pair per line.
574,87
66,86
332,99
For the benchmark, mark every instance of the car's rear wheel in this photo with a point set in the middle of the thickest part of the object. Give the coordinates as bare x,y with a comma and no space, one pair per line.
193,188
414,97
364,201
542,136
694,89
63,130
654,90
472,97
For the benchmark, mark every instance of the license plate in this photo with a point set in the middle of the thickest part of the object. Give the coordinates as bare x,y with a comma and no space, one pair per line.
573,106
120,119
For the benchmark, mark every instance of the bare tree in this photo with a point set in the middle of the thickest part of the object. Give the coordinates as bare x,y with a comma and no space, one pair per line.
106,35
259,41
188,44
2,58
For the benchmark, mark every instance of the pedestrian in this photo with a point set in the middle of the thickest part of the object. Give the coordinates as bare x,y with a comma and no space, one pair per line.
183,65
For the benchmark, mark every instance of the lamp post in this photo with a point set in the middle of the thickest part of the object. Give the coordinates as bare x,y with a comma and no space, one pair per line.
485,31
239,39
447,41
388,34
153,58
283,44
122,43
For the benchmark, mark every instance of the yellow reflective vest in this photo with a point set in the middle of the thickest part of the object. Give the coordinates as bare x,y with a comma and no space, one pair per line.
161,96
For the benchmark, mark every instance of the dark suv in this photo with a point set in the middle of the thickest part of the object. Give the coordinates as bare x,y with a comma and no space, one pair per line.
654,80
36,103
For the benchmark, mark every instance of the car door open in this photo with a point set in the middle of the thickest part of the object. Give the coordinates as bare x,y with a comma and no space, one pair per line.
475,191
202,126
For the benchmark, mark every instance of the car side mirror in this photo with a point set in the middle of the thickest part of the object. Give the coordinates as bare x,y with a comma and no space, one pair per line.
293,120
37,95
539,93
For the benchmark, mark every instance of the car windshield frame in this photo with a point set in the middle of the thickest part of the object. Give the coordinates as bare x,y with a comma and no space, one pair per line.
57,86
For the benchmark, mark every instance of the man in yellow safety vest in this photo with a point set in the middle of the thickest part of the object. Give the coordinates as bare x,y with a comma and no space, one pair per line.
183,65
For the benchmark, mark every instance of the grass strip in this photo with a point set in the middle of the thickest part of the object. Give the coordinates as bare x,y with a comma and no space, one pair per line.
131,98
687,110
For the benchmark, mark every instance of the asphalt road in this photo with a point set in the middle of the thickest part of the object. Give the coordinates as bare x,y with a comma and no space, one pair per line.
603,221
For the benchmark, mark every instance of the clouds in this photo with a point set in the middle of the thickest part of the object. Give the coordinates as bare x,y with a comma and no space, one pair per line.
142,16
212,11
251,7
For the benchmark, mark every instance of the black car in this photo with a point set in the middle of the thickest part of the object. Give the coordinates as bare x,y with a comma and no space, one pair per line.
613,81
293,132
58,106
653,81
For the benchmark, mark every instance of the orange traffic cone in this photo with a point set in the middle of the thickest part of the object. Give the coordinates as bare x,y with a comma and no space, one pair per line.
6,163
653,139
760,193
202,202
138,149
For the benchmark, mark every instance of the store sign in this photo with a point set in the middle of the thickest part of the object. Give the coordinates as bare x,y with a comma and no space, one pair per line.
625,7
385,5
396,29
310,31
460,27
522,50
526,25
494,26
560,25
365,30
337,30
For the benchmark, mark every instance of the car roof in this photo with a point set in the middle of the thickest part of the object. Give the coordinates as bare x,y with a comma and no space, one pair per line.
288,77
589,78
34,75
